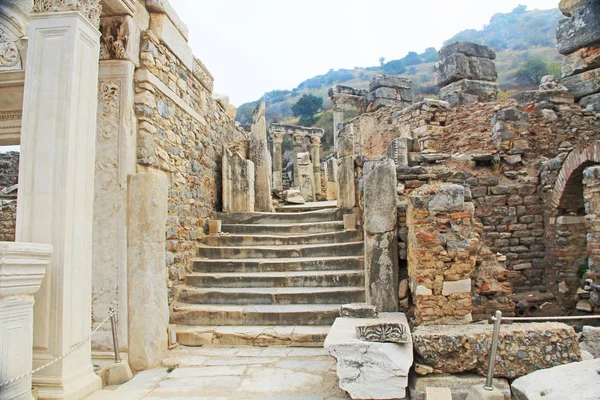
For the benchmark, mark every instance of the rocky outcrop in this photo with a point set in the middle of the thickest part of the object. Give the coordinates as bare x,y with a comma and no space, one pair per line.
522,349
580,380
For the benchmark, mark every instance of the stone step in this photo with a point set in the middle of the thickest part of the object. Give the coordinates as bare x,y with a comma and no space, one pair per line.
331,214
297,336
289,314
284,229
279,264
278,240
276,279
310,206
292,295
311,250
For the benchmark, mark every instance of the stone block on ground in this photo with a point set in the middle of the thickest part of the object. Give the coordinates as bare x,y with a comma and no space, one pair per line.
358,310
581,30
539,96
293,196
523,348
118,373
590,340
578,380
469,91
459,385
459,66
468,49
583,84
369,370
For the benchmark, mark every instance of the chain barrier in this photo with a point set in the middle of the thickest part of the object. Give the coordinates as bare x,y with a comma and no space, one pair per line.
111,313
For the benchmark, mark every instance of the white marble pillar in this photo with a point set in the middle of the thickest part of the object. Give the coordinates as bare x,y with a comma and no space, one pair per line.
277,162
56,186
338,118
296,148
22,268
115,161
315,148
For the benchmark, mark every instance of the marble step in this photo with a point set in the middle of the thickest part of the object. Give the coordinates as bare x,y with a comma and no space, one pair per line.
276,279
310,206
331,214
279,264
278,240
310,250
290,295
237,315
284,229
297,336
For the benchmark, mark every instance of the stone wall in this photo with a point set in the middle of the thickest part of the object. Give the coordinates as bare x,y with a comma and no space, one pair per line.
181,130
9,174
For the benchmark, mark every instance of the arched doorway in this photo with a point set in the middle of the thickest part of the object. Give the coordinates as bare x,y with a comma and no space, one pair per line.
573,245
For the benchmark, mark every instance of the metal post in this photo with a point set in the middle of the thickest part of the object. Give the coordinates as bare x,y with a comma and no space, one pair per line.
113,324
497,318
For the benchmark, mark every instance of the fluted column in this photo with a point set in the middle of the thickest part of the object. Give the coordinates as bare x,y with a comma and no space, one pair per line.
315,147
56,186
277,162
297,148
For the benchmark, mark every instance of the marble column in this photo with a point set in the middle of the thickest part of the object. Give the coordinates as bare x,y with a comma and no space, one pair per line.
296,148
260,156
315,147
277,162
338,118
115,161
56,187
22,268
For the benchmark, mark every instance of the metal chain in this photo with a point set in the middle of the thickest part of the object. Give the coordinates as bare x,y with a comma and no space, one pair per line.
18,378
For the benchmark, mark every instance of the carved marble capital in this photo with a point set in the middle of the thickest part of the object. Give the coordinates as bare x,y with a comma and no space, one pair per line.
91,9
315,141
120,39
277,137
297,140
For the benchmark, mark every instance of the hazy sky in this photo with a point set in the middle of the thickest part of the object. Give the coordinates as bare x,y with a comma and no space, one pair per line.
254,46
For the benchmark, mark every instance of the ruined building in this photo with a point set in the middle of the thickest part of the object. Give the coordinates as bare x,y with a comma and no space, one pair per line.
137,191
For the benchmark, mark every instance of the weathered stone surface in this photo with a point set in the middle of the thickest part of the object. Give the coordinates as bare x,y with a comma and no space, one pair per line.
293,196
449,197
397,150
260,156
381,266
346,187
369,370
147,286
584,84
389,81
581,30
345,141
358,310
590,340
468,49
523,348
581,60
578,380
459,66
393,94
469,91
459,385
539,96
591,102
238,182
568,7
550,82
383,332
379,179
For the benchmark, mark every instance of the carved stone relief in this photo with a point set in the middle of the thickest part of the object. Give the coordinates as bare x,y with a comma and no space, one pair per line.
119,40
91,9
205,77
383,332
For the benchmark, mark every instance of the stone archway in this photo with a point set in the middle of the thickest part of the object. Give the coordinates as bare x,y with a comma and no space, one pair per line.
568,239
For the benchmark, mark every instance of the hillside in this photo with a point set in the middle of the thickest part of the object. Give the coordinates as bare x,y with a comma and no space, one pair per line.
516,37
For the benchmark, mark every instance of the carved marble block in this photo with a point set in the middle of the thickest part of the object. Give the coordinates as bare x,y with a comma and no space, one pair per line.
383,332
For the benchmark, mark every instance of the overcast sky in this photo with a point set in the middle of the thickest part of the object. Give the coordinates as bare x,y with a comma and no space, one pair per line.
254,46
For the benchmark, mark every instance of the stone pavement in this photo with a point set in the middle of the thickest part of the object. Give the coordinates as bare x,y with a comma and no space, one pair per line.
224,373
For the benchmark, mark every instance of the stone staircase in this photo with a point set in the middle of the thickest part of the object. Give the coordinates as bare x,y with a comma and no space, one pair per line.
271,279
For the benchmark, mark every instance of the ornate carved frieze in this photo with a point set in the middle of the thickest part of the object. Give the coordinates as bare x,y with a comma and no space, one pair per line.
383,332
91,9
9,51
11,115
205,77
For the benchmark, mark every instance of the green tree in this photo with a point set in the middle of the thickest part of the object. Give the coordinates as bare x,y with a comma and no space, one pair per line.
532,70
306,107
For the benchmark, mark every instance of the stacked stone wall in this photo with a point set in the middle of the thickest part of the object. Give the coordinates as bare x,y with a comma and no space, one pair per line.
181,131
9,174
